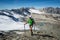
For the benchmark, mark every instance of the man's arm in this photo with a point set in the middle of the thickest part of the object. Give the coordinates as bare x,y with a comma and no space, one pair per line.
26,22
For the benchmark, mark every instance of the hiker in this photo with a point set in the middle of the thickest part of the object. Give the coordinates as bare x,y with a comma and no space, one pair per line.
30,21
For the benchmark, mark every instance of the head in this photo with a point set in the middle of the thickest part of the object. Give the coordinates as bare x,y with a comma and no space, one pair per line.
30,16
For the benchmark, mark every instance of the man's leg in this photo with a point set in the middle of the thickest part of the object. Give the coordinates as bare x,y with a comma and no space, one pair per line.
31,30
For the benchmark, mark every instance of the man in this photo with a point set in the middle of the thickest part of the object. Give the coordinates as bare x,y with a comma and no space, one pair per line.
30,21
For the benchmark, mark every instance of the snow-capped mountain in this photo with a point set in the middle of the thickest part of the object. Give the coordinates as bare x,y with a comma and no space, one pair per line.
15,13
14,18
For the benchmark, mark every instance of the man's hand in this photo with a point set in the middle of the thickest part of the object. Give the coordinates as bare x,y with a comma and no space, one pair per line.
25,23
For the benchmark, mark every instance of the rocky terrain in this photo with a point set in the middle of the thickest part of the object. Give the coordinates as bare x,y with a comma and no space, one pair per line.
21,35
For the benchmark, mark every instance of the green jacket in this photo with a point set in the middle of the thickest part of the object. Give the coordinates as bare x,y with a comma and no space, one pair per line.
30,21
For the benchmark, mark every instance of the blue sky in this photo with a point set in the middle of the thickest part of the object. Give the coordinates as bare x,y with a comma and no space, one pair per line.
11,4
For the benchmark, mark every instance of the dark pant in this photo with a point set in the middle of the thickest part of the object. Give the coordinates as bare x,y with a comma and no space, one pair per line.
31,29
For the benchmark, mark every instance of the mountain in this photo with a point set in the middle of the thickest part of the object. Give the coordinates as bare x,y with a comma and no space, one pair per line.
14,13
14,18
47,25
10,19
52,10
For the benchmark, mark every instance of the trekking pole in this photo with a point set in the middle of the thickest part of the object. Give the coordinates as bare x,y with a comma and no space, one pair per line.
24,28
34,27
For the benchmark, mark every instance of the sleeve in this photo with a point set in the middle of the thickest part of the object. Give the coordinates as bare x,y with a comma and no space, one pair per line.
33,20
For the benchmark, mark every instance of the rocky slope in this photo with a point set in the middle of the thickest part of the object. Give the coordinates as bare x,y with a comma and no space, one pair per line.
20,35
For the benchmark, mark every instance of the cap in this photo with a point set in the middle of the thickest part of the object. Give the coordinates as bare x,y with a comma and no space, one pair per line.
30,16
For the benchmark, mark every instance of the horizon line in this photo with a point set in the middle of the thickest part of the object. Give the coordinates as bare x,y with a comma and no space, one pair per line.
27,7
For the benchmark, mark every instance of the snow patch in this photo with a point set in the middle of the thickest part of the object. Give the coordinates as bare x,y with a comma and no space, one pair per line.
6,13
35,11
